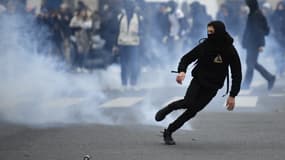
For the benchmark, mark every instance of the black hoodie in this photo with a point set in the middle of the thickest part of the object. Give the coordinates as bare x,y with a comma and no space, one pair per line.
214,56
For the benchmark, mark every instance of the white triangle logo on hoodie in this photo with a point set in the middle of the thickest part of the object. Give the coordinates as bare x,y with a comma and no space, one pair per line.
218,59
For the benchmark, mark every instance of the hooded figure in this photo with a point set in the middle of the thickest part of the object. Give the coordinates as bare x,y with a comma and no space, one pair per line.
254,41
252,4
256,27
221,36
213,58
278,25
212,63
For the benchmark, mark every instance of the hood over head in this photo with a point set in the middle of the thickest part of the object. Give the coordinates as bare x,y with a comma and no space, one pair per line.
129,6
252,4
221,36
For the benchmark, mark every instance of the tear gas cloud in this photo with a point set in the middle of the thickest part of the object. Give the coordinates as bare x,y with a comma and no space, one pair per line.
36,88
34,84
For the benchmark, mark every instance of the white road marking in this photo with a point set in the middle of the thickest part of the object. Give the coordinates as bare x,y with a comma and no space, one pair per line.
64,102
122,102
245,92
257,83
277,95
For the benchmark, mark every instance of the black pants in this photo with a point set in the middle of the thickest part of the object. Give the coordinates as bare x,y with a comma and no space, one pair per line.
251,64
195,99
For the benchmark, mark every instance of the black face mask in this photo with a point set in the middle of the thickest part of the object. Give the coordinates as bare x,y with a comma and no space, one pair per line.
211,36
219,33
216,38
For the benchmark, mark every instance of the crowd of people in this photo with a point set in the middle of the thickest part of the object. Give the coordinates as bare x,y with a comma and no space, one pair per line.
135,33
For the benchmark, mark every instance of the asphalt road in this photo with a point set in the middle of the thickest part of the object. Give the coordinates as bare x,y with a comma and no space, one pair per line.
215,136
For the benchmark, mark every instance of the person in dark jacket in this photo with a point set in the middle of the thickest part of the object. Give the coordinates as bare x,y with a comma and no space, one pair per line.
213,58
254,41
278,25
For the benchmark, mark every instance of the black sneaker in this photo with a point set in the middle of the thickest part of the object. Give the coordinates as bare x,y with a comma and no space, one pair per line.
271,83
168,140
160,115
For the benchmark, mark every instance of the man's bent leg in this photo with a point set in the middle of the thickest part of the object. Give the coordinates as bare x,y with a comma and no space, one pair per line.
191,93
204,97
160,115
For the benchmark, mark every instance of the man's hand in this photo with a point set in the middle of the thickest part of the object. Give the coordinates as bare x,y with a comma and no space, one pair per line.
180,77
230,103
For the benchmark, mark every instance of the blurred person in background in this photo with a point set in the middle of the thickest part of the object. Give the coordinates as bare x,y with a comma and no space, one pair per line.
42,19
230,13
200,18
49,20
2,7
267,10
55,28
278,25
159,32
81,5
128,43
254,41
223,13
64,17
173,39
109,28
163,24
81,24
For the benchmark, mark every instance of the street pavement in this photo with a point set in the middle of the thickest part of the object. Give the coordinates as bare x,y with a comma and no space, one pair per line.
254,130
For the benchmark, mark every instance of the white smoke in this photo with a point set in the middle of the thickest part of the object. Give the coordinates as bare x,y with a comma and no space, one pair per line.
35,89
